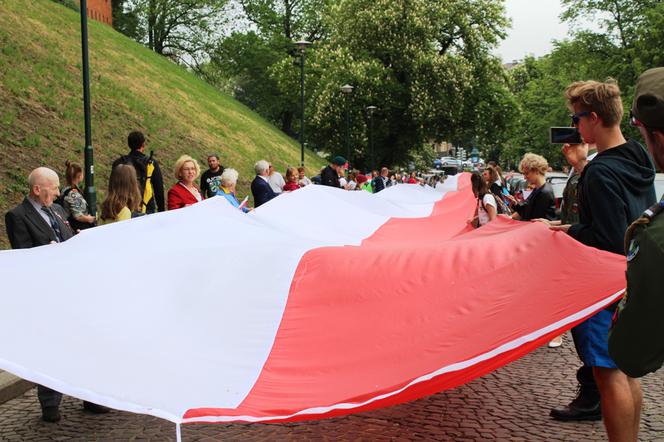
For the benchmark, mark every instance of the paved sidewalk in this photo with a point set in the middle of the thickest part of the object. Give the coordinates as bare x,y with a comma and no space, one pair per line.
510,404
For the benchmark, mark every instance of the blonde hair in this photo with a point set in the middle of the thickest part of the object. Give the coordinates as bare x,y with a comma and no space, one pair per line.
179,164
534,162
601,98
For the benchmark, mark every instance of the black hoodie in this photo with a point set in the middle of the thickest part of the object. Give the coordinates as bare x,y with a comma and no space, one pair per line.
614,190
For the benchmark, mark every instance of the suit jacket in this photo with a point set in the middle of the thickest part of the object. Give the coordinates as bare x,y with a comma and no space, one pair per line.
26,228
261,191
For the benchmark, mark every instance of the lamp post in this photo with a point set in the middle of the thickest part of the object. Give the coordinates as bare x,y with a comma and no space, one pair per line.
347,89
90,193
302,46
370,111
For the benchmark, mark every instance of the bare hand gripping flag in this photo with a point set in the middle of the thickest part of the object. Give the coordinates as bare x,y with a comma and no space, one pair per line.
318,304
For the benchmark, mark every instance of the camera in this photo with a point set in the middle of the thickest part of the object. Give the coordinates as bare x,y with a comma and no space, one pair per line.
564,135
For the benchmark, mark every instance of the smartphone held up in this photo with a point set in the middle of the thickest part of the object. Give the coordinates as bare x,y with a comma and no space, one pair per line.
564,135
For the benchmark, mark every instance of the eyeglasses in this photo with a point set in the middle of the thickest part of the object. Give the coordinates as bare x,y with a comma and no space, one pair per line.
577,116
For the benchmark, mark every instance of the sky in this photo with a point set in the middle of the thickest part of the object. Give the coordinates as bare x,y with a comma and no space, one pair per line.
534,24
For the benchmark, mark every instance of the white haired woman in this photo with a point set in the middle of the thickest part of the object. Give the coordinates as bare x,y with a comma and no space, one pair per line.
184,192
227,189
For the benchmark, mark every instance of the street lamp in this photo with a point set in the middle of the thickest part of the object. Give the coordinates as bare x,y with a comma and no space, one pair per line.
90,192
302,46
370,111
347,89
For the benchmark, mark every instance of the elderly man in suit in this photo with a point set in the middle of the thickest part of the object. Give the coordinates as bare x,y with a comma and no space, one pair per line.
38,222
260,186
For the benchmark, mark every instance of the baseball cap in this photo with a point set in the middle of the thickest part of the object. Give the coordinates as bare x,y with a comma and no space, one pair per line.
648,105
338,160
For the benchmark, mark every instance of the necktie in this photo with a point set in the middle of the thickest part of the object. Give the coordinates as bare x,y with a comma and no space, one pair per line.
54,223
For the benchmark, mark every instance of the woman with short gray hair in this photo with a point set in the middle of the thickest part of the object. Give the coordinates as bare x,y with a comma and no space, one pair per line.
227,188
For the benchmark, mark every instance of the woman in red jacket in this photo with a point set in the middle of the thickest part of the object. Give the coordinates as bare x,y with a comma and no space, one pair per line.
184,192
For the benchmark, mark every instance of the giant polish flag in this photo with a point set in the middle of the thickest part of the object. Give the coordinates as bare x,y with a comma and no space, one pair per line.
320,303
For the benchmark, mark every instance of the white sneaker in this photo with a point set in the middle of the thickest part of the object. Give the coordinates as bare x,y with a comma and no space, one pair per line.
556,342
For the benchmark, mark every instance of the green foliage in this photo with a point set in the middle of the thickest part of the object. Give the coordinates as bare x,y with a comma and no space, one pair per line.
287,19
183,30
629,42
620,20
253,60
425,65
127,21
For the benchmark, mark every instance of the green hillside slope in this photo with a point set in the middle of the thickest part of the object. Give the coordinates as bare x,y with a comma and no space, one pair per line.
132,88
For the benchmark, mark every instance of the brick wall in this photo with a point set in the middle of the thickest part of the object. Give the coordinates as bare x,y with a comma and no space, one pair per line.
100,10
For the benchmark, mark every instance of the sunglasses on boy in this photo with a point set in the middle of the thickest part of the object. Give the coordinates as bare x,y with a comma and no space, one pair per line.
577,116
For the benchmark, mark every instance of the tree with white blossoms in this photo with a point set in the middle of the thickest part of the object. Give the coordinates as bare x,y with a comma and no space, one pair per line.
426,66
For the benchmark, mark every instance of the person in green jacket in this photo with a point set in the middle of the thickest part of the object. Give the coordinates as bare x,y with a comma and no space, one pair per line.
636,342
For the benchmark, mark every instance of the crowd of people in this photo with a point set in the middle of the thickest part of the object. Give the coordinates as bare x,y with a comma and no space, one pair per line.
610,187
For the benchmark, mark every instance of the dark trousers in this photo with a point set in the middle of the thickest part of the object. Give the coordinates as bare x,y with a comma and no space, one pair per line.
48,397
584,375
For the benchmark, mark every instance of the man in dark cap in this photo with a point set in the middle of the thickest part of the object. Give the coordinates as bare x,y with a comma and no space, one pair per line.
636,341
330,175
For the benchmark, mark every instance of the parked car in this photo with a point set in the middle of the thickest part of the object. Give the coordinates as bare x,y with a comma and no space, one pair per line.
659,186
558,181
451,165
515,183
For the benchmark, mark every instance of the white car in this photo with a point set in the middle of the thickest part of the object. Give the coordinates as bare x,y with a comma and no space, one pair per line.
451,162
659,186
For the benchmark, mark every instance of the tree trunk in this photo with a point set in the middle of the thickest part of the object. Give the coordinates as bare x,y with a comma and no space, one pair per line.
287,123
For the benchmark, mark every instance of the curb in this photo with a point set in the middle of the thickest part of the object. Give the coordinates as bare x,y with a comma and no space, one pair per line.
12,387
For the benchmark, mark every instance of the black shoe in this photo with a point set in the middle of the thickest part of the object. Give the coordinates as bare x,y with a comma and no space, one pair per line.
94,408
51,414
574,412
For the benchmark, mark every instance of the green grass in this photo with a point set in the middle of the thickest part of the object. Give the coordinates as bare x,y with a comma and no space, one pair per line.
132,88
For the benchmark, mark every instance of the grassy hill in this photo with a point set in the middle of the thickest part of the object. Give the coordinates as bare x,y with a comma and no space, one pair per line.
132,88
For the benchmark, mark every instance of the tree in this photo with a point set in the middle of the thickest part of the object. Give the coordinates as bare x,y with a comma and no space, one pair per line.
181,29
619,19
426,65
251,57
126,21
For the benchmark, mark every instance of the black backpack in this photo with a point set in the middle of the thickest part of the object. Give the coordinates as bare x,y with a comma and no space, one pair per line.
140,164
